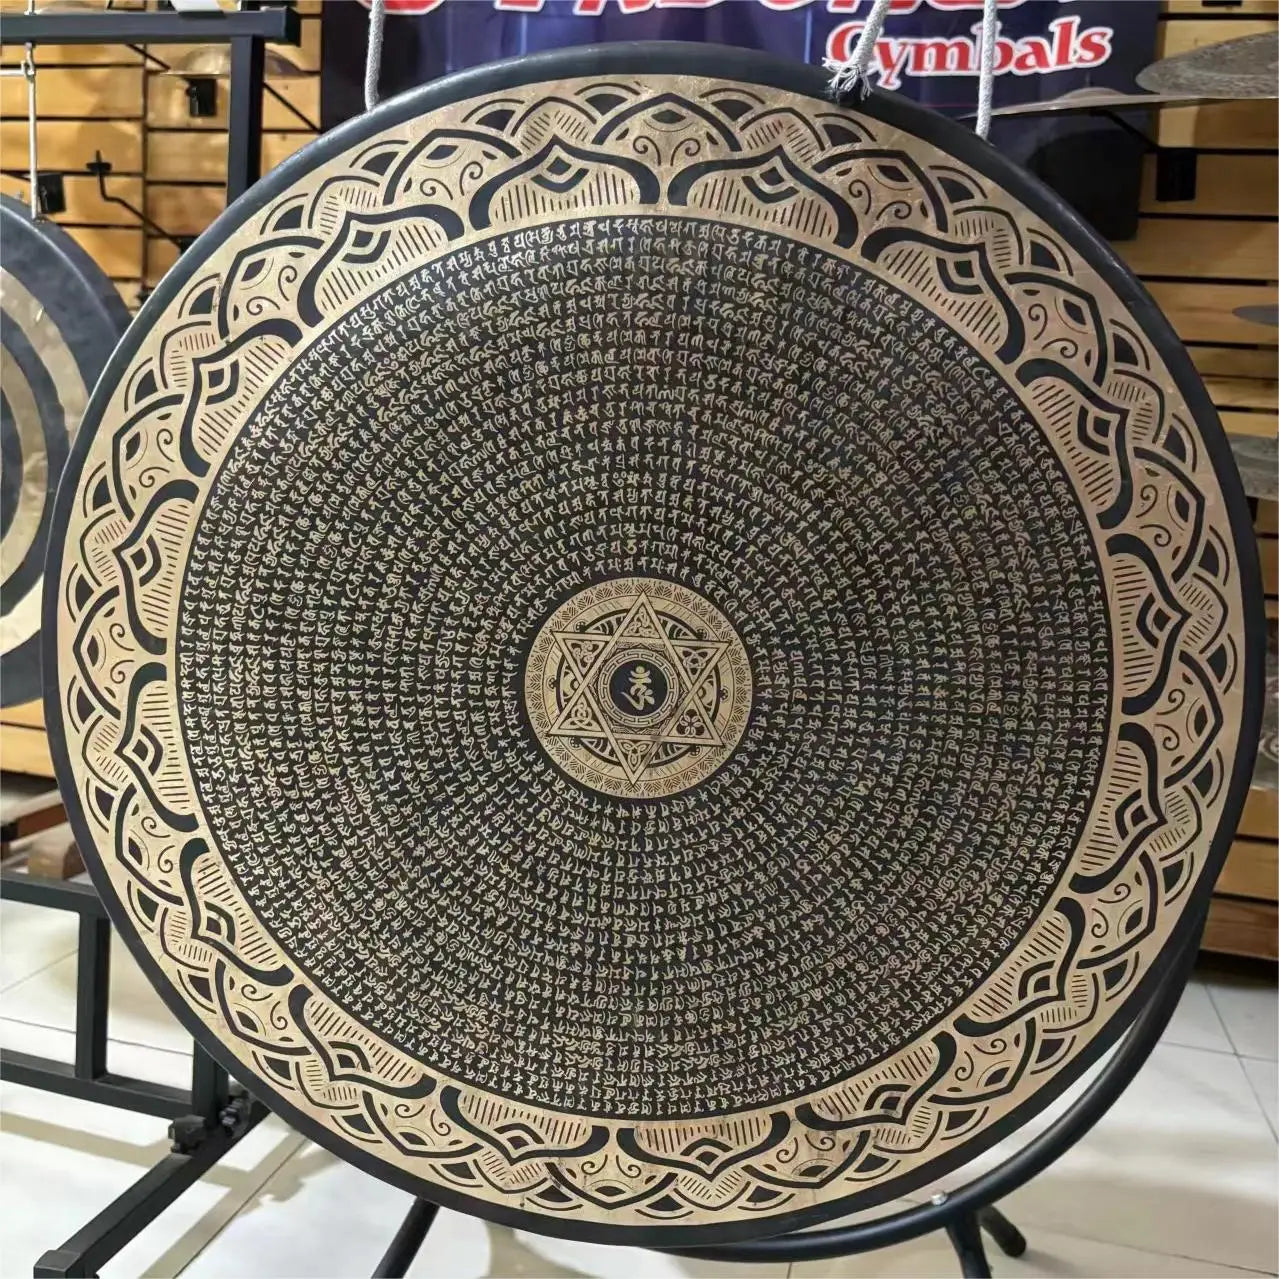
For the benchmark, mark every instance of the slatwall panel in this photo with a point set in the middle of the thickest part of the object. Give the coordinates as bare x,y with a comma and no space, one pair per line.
107,98
185,159
89,98
1201,259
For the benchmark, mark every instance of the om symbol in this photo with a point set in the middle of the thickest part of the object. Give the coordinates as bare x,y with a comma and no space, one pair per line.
640,693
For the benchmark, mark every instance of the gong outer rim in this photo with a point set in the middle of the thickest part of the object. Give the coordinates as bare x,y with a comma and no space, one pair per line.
21,682
699,61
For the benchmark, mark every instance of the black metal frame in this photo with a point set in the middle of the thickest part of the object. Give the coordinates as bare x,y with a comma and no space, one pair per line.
247,32
206,1120
214,1114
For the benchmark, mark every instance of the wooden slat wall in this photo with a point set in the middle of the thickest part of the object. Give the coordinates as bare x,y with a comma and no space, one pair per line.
1201,259
185,161
107,98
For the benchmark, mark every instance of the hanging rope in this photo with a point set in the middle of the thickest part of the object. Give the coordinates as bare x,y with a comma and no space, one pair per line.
853,75
986,65
373,59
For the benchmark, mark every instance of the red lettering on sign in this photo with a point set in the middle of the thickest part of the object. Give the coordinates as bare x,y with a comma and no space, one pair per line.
925,56
941,57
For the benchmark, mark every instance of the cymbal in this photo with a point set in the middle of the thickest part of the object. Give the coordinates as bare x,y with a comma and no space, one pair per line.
214,60
1268,315
1244,68
1101,99
648,655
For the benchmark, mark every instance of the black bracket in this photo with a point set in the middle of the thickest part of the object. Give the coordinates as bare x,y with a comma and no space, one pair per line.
100,168
202,97
51,196
1176,168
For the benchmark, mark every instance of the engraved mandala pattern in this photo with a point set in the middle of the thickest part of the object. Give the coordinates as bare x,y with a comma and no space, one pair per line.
518,162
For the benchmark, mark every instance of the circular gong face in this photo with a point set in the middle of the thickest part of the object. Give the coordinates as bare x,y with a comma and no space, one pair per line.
650,656
60,318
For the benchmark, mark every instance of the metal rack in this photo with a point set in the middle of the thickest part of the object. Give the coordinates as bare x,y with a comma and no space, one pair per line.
211,1116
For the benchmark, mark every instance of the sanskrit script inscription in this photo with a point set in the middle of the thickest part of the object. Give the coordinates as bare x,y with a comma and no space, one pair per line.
867,508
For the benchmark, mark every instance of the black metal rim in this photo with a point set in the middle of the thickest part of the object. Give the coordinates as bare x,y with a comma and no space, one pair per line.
700,60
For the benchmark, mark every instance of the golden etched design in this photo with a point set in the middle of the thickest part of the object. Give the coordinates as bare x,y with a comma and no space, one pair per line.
735,188
638,688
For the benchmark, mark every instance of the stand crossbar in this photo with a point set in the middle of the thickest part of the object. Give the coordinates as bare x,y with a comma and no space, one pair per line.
206,1120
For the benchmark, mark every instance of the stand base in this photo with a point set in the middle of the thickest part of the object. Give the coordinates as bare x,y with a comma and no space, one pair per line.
964,1232
104,1236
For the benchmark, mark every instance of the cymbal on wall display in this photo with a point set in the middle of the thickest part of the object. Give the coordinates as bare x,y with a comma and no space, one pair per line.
1099,99
60,318
1267,315
772,590
214,60
1244,68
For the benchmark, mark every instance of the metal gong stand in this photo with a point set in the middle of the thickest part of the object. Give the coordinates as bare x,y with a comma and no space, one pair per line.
963,1214
212,1115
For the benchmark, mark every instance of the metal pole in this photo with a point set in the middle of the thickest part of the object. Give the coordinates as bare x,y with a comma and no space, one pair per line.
244,116
404,1247
93,983
33,167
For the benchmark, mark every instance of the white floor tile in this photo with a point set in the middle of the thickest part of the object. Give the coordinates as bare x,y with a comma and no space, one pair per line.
314,1216
1196,1024
62,1161
599,1261
1184,1163
1264,1078
1049,1254
321,1217
1249,1010
32,938
138,1015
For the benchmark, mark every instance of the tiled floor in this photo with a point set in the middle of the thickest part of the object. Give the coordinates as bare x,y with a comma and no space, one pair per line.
1178,1180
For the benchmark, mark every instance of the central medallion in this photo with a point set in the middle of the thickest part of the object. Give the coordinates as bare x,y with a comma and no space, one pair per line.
638,688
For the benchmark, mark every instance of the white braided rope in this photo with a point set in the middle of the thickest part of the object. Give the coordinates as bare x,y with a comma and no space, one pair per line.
853,74
373,59
986,65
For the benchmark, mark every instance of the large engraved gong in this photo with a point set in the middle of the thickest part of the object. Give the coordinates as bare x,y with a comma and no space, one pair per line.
649,656
60,318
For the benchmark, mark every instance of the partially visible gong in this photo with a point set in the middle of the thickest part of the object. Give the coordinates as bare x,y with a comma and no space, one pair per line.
60,318
650,656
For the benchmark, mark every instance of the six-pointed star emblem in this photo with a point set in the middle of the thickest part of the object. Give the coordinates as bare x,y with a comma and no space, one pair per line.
684,719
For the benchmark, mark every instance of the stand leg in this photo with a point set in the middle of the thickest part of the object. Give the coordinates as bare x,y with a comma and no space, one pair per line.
965,1238
94,1245
1012,1243
408,1239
